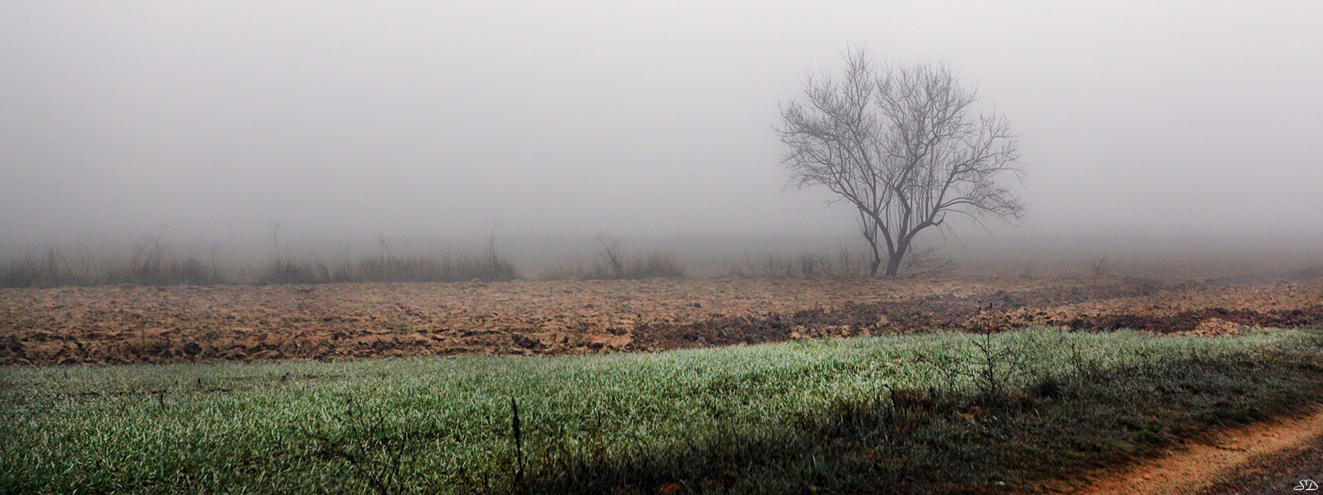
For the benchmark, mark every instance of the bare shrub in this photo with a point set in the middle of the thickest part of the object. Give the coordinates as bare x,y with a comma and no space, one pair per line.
1098,266
814,265
810,264
44,270
150,264
487,267
655,265
926,263
612,264
778,266
289,271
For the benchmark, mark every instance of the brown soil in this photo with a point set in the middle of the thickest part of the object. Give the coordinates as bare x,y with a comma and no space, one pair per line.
1204,468
134,324
1298,465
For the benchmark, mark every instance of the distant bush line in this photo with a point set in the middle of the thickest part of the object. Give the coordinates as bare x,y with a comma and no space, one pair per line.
489,267
613,264
653,265
149,264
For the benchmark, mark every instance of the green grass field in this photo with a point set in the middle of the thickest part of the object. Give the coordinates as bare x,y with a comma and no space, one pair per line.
918,413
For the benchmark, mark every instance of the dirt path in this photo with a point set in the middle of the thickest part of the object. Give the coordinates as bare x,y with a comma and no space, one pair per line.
1200,466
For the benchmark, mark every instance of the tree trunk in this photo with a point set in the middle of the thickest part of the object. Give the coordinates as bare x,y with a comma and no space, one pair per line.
877,254
897,256
893,264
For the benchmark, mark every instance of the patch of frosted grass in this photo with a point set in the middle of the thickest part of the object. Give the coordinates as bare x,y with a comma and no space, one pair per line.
139,425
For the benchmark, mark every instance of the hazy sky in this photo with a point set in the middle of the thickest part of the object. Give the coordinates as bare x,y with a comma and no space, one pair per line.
349,119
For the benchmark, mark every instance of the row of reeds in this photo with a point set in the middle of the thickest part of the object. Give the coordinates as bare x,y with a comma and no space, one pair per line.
148,265
151,263
488,267
612,263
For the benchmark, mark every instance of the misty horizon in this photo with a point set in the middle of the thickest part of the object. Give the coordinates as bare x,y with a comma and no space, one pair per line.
1172,125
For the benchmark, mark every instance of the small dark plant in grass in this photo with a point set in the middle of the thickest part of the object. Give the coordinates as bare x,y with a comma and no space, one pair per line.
992,370
377,453
518,442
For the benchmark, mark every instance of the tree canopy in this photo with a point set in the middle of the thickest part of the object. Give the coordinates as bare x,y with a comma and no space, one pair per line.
904,146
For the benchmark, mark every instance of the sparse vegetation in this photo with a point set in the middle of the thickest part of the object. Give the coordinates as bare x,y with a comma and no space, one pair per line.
906,414
611,263
151,262
149,265
1099,266
45,270
811,264
488,267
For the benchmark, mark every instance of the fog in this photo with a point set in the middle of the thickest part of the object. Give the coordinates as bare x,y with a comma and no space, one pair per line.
1141,124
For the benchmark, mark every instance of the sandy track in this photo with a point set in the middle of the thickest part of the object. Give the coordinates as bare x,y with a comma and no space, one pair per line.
1198,466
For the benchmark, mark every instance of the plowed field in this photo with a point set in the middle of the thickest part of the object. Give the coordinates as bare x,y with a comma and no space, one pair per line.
135,324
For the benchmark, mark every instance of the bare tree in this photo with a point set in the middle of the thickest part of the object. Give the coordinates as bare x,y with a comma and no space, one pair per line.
900,144
611,254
